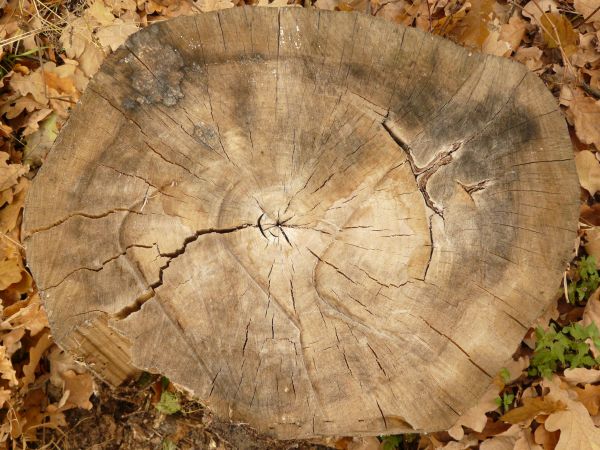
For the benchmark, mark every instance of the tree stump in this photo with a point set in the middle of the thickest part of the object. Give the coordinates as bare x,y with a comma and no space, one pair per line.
318,223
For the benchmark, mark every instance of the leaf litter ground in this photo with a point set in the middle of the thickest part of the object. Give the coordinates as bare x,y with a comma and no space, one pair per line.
547,399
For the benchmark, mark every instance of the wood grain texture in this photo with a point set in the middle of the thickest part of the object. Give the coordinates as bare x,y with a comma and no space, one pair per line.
319,223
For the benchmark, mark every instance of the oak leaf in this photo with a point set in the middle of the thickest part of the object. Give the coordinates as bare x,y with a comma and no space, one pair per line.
582,375
475,418
577,430
532,407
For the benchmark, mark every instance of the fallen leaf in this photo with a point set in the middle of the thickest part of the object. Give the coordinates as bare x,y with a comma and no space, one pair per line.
35,355
582,375
513,32
589,397
536,8
532,407
588,169
586,8
213,5
7,370
586,116
9,173
577,430
115,34
5,395
503,441
475,417
545,438
526,441
559,33
80,388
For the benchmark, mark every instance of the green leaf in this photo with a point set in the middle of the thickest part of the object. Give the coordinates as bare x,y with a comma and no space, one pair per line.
169,403
168,444
505,375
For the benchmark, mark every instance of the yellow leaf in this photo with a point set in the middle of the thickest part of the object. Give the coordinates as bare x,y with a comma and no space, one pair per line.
532,407
558,32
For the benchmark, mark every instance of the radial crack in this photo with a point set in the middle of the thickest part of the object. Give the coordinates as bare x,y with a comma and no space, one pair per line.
139,302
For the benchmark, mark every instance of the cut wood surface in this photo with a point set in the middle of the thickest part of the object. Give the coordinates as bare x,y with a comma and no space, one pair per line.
318,223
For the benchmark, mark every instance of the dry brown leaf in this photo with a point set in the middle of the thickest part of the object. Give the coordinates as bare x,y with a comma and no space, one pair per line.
589,397
10,173
586,117
503,441
472,30
592,244
114,35
32,317
5,395
80,388
213,5
526,441
536,8
330,5
494,45
582,375
10,272
577,430
513,32
587,7
16,105
7,371
532,407
9,214
545,438
35,354
475,417
30,84
588,169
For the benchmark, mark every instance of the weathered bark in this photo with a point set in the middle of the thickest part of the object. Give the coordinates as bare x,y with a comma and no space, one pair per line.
319,223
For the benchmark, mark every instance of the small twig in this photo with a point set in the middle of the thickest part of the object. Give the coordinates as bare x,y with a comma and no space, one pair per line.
590,15
590,90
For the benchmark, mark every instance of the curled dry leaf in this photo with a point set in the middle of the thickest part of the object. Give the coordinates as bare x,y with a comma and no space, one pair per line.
588,169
